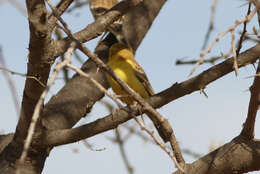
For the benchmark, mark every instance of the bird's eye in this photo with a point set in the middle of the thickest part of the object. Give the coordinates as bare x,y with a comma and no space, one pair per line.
120,58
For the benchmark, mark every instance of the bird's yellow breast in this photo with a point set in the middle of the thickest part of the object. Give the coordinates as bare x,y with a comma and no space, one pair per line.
125,70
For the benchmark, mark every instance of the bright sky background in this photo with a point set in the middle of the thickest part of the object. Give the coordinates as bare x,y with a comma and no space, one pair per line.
177,32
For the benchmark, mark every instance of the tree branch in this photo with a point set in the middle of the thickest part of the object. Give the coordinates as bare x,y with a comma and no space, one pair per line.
238,156
120,143
38,64
138,21
243,32
249,125
5,140
61,8
66,136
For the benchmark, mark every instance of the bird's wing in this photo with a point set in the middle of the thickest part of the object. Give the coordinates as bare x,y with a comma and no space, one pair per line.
140,74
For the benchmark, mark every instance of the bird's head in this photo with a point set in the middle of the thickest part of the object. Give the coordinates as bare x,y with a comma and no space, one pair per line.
118,49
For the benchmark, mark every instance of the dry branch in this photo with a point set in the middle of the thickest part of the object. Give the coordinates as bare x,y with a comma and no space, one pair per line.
62,6
211,23
249,125
120,142
244,31
220,35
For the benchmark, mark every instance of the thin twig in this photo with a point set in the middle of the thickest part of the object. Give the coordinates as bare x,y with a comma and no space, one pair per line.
160,144
211,23
257,5
89,146
23,75
133,131
234,52
211,60
243,32
65,71
232,27
62,6
98,85
120,142
3,68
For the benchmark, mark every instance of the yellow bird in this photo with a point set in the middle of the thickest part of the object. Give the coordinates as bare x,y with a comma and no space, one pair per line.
122,62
